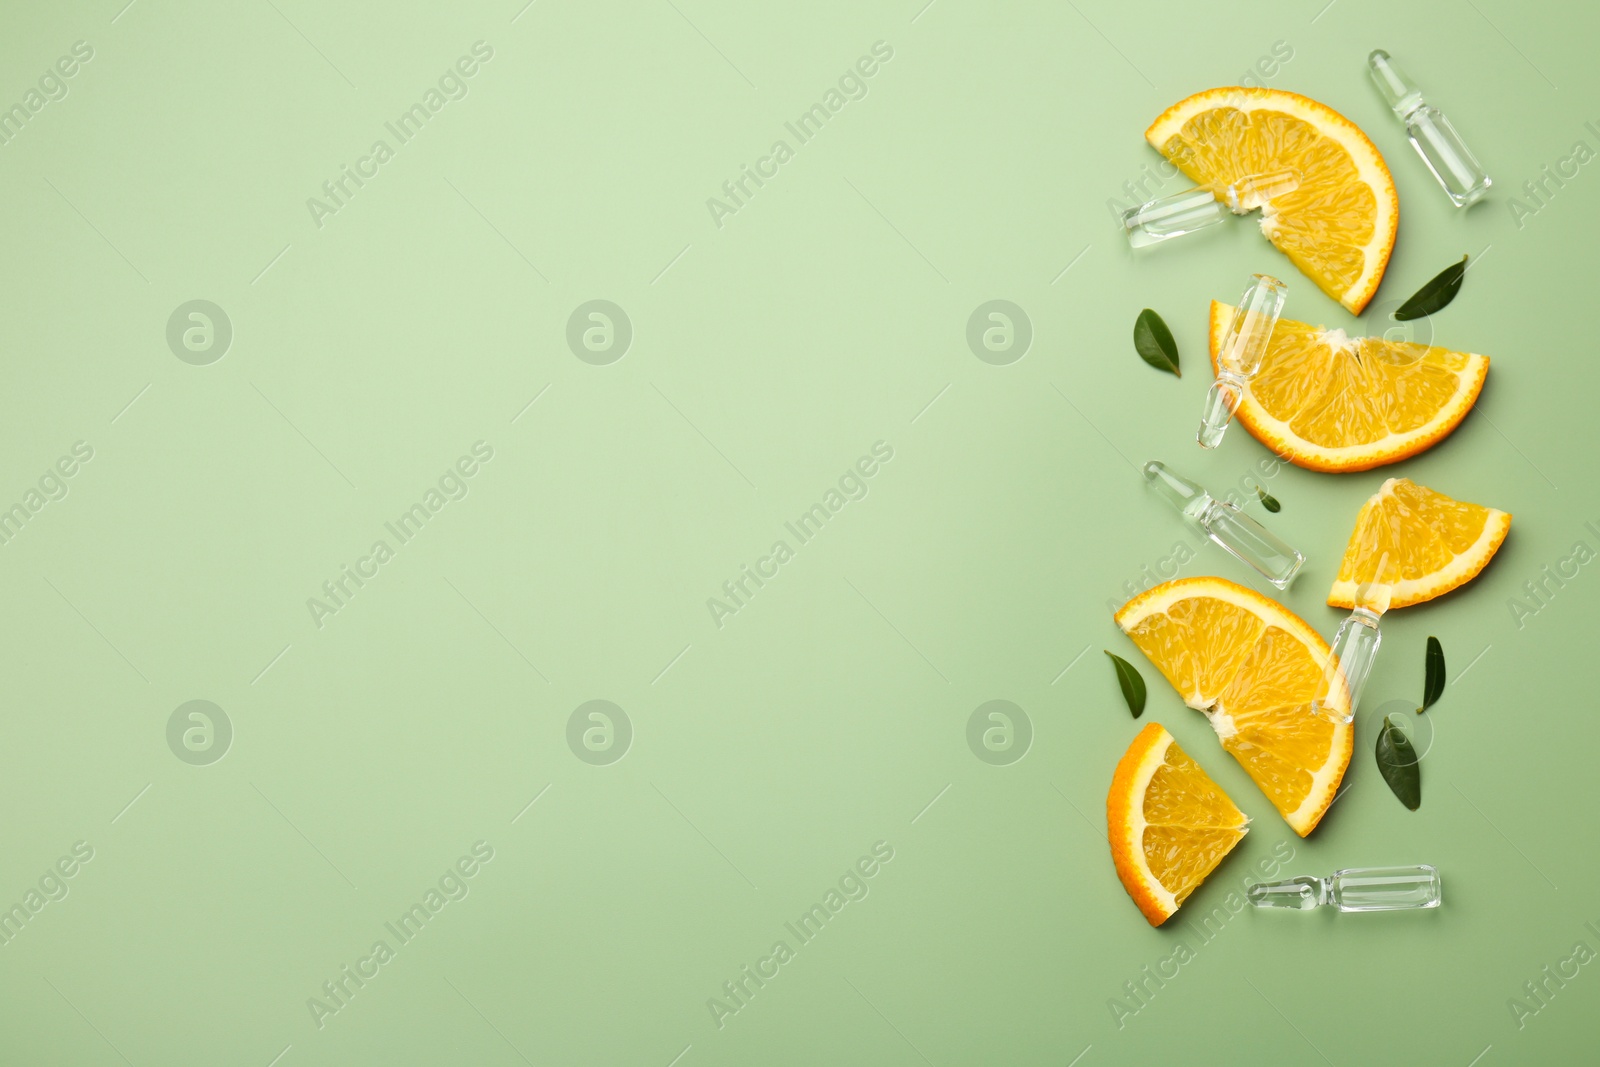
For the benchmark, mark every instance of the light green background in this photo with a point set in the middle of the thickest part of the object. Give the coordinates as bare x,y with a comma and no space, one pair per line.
767,356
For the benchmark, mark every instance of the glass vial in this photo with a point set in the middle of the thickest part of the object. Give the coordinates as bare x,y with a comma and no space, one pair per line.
1355,889
1433,136
1243,347
1231,529
1206,205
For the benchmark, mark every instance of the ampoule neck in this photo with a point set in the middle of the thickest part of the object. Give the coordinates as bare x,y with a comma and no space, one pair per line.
1401,94
1184,495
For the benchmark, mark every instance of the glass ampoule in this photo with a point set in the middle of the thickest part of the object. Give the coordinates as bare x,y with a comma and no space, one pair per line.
1355,889
1244,345
1194,209
1231,529
1431,133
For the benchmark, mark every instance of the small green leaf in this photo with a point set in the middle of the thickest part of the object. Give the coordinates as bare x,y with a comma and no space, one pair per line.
1397,762
1436,294
1433,680
1268,501
1132,684
1154,343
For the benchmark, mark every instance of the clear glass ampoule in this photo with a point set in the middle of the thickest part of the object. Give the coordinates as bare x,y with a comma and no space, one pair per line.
1243,347
1355,889
1243,537
1431,133
1355,647
1205,205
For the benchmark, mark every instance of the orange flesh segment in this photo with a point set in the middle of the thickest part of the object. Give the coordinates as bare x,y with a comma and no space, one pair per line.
1429,543
1338,226
1253,667
1168,823
1332,402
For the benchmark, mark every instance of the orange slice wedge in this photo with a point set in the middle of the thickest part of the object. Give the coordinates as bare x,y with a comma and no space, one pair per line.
1434,544
1168,823
1330,402
1253,667
1338,227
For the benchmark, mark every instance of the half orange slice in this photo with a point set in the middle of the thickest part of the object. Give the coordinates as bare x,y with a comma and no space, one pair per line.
1168,823
1338,227
1330,402
1253,667
1433,544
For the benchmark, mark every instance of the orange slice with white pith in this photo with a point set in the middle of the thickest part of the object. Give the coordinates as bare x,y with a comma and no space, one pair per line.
1330,402
1338,227
1433,544
1253,667
1168,823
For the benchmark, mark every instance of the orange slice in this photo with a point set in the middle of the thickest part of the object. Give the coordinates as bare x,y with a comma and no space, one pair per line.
1434,544
1330,402
1338,227
1168,823
1253,667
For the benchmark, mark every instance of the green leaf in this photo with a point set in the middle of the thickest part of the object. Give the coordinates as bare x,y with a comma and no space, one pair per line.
1397,762
1433,681
1154,343
1436,294
1132,684
1268,501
